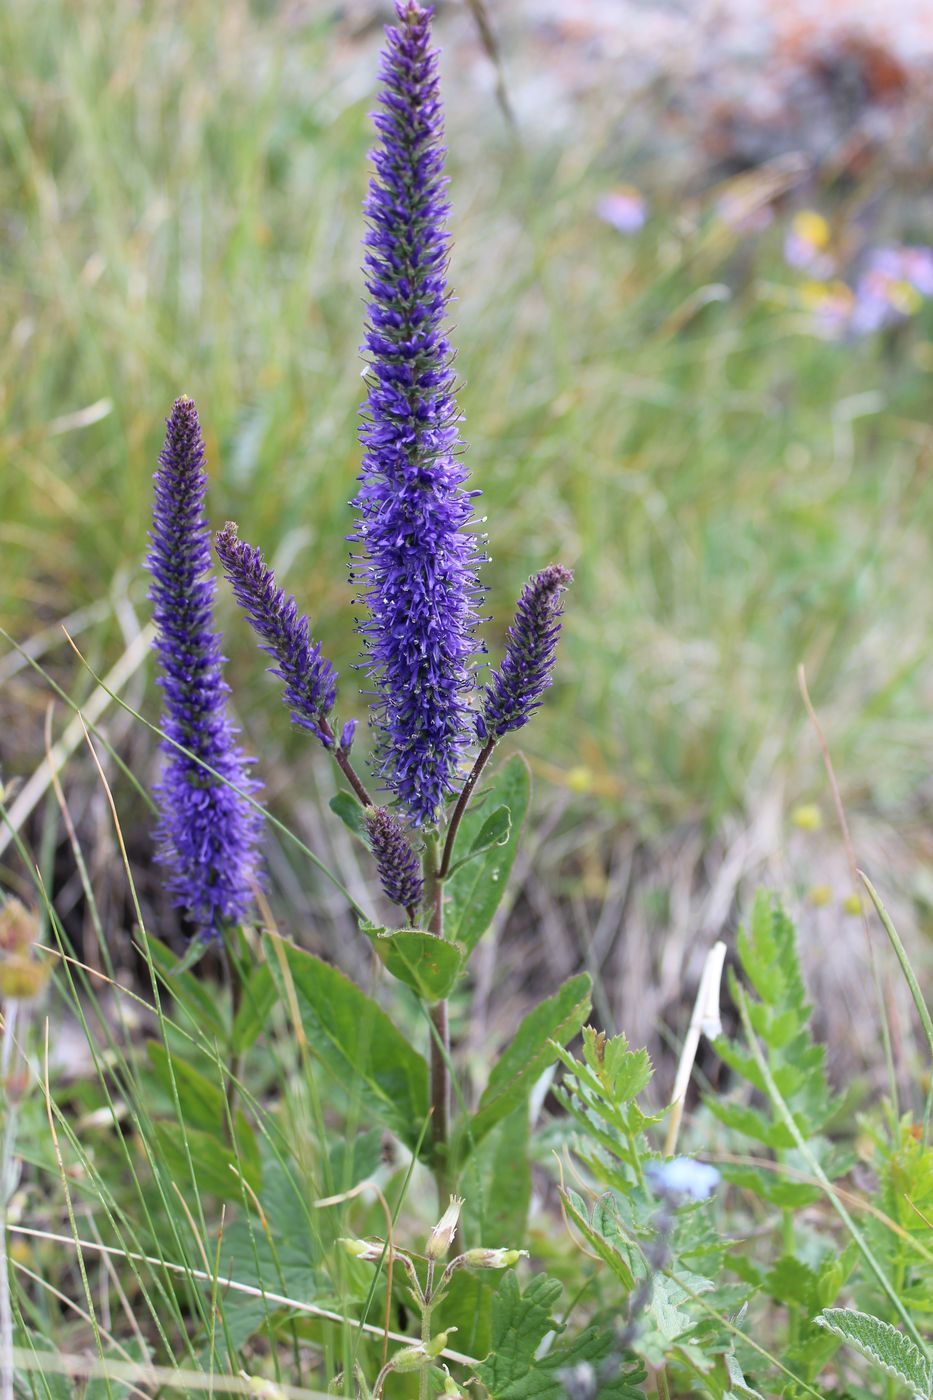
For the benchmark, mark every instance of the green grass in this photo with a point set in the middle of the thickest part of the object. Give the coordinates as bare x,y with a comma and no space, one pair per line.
183,190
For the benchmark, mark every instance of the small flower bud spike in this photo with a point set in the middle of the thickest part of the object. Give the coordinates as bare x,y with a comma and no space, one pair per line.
514,691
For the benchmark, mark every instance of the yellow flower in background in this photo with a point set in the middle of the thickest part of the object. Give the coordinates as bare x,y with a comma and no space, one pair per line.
806,816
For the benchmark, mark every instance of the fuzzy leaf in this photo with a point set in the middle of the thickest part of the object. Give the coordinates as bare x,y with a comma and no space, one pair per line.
513,1076
882,1344
474,891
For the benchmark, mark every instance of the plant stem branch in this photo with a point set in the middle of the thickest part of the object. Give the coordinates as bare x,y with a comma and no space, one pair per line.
7,1187
342,759
482,758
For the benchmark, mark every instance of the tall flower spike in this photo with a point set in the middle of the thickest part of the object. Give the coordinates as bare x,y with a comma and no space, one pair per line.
418,557
207,833
514,691
395,860
310,680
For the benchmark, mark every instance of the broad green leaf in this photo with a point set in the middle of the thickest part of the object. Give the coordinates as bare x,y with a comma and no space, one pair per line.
354,1161
355,1039
427,964
882,1344
258,996
215,1165
188,991
497,1185
494,832
347,808
474,891
203,1105
513,1076
276,1253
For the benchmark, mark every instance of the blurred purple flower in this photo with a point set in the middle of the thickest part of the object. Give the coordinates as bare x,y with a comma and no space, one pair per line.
207,832
683,1178
625,209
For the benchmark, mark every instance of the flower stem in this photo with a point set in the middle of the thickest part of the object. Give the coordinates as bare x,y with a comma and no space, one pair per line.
426,1310
7,1187
482,758
440,1037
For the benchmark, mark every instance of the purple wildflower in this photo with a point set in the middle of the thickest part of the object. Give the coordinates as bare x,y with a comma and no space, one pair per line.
395,860
514,692
625,209
418,558
207,832
310,680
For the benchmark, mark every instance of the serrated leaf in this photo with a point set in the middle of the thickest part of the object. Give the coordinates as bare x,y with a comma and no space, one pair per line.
345,806
514,1370
557,1019
880,1343
474,891
357,1042
427,964
615,1251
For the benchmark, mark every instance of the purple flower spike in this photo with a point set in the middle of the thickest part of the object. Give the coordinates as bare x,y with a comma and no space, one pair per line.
396,862
310,680
514,692
417,557
207,832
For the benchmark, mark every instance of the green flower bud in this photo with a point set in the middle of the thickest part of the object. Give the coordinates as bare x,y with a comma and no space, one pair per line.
370,1252
493,1258
411,1359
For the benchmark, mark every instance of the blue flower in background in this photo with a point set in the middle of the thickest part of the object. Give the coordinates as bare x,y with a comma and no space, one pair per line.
683,1178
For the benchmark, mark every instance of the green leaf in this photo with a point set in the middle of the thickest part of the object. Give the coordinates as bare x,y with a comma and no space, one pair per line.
348,809
276,1253
257,999
188,991
495,831
882,1344
354,1161
514,1370
497,1185
614,1251
474,891
557,1019
427,964
203,1106
215,1165
356,1041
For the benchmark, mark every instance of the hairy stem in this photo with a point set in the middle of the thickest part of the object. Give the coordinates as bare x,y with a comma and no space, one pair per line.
342,759
423,1381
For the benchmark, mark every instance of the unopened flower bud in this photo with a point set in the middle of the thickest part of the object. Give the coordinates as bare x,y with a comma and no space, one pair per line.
493,1258
438,1342
368,1251
442,1236
22,978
